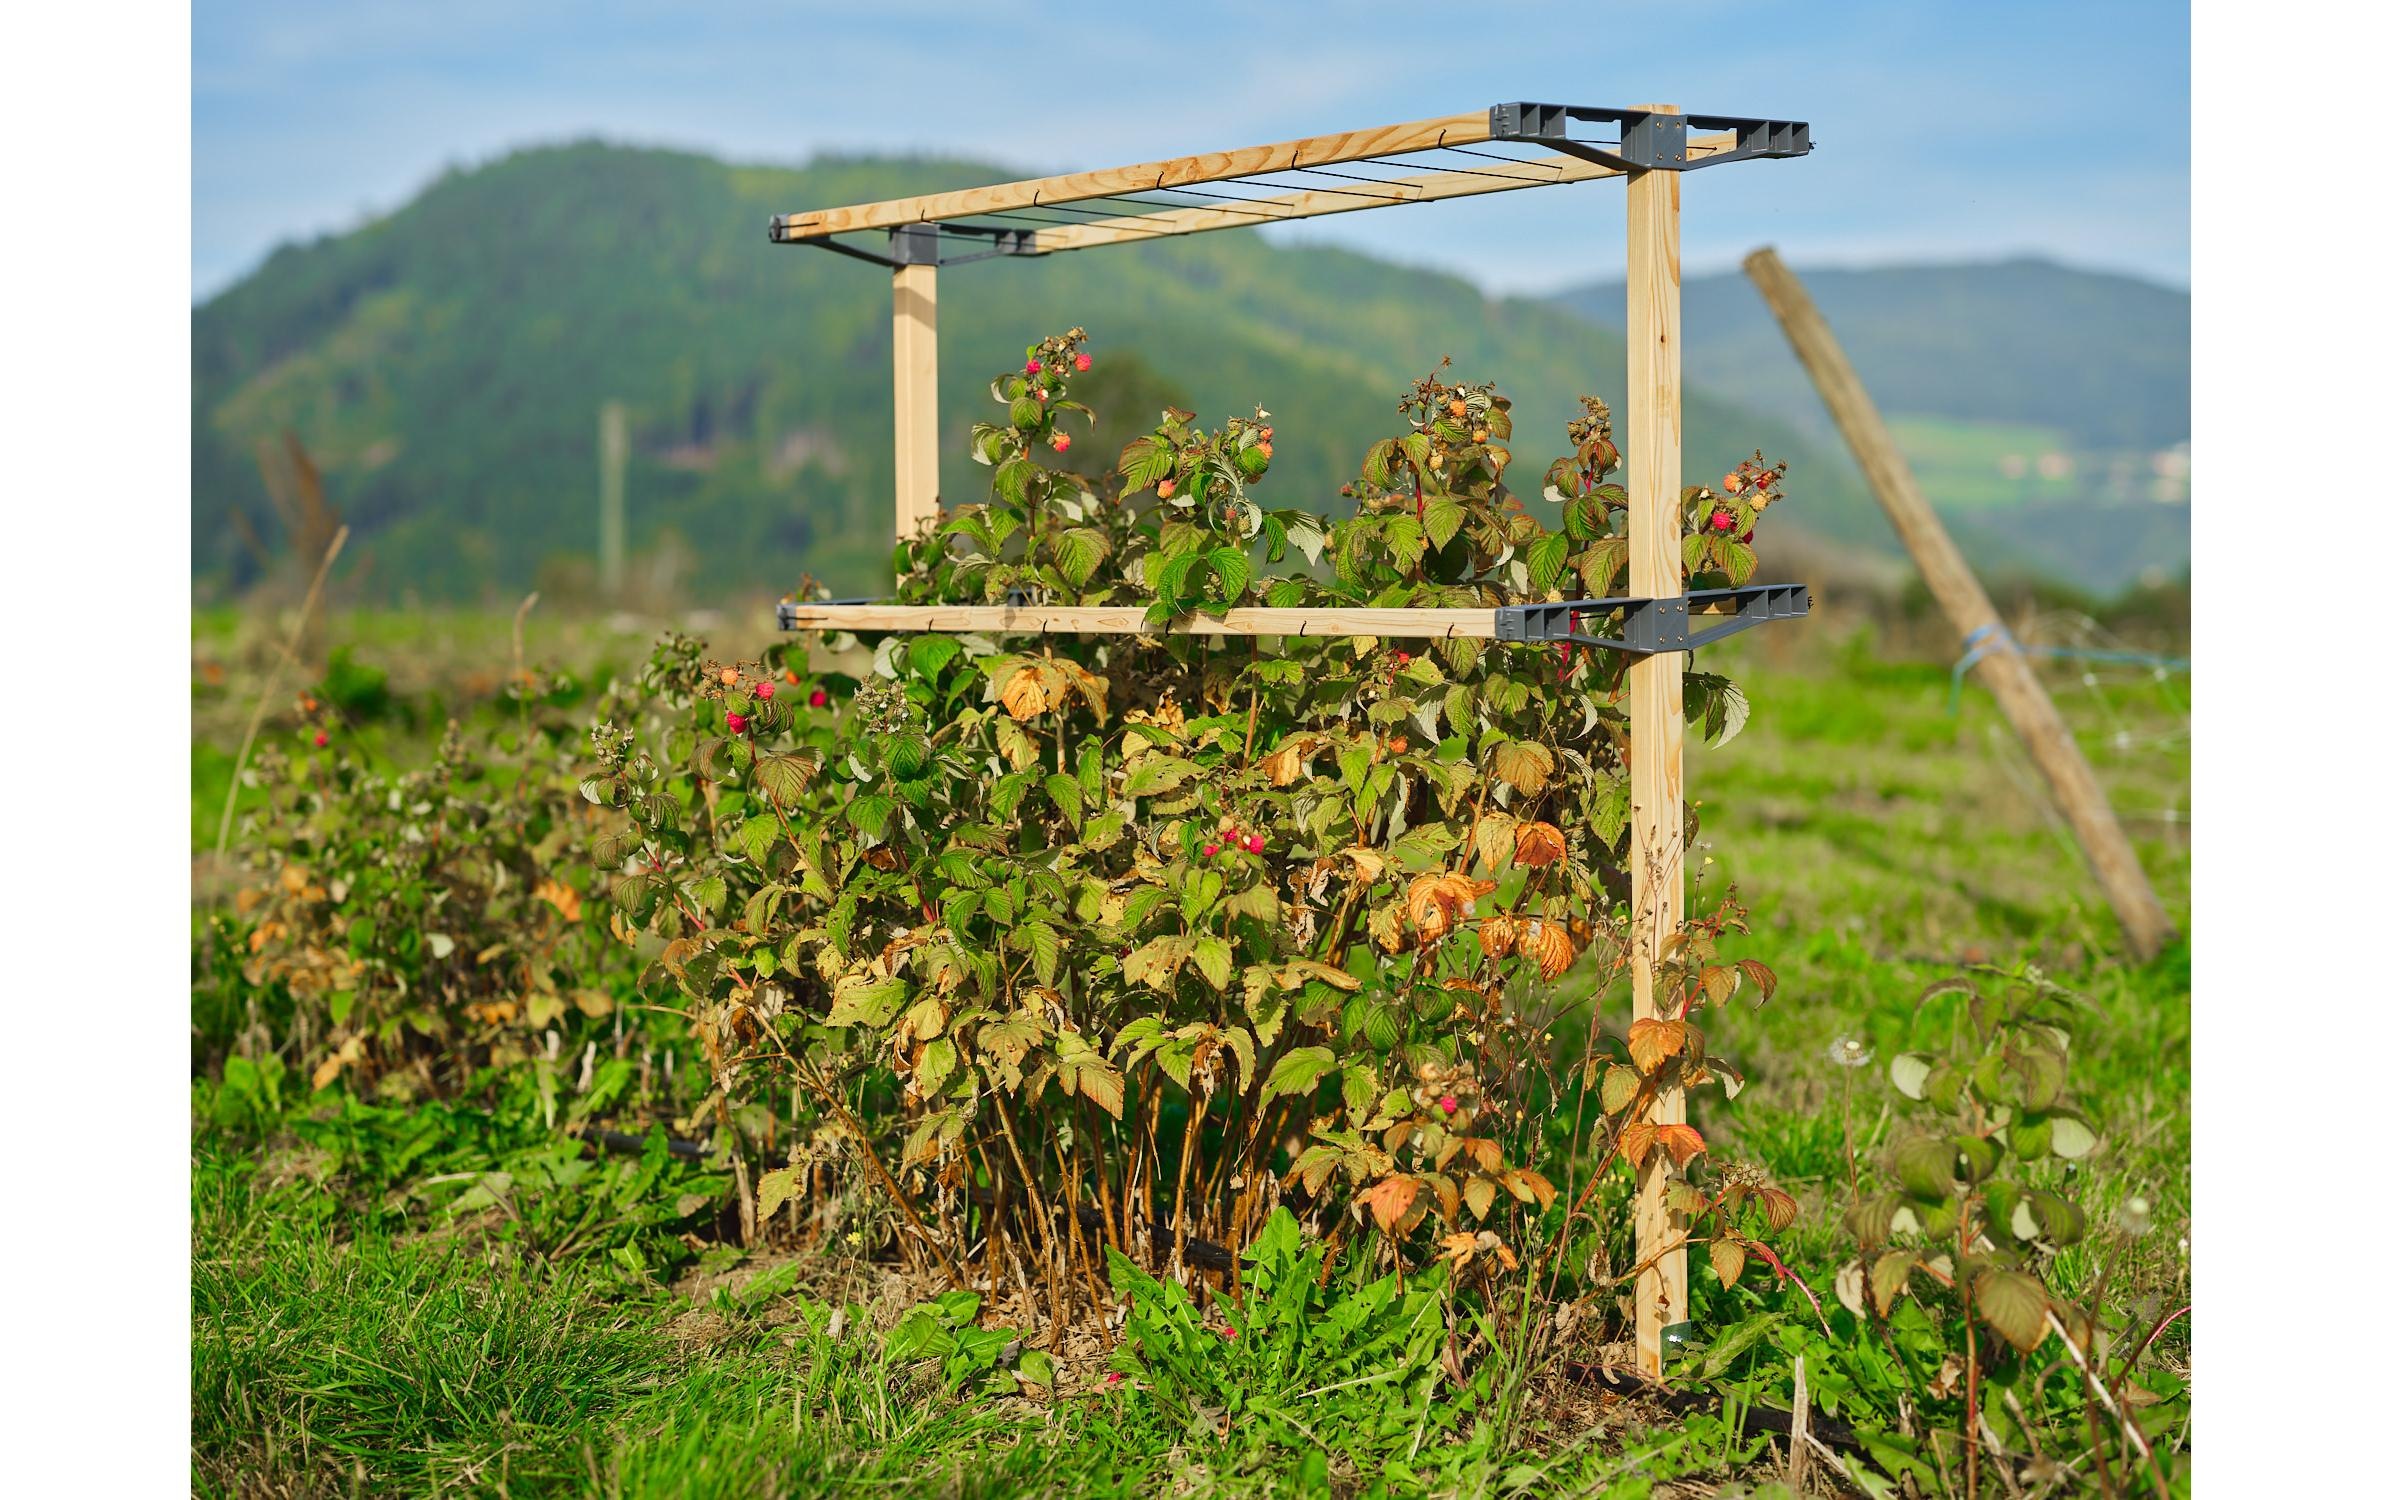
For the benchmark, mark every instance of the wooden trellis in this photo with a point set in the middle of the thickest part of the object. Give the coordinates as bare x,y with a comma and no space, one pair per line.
1504,148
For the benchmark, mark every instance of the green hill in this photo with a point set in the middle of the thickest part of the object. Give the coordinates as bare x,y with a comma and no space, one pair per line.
2036,402
445,364
2102,358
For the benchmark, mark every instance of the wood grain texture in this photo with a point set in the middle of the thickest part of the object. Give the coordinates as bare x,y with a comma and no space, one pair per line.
1427,187
918,490
1071,619
2006,673
1181,171
1658,726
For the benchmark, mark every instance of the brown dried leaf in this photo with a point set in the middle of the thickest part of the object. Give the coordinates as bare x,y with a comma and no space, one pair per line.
1538,844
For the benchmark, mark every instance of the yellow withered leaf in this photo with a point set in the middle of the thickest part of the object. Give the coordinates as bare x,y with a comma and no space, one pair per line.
1524,765
1549,944
1497,935
1032,690
561,897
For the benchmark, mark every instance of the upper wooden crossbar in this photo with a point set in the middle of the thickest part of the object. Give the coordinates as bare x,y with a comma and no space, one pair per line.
1176,172
1155,200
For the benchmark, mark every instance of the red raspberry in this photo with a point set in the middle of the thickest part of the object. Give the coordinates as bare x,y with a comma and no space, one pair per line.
819,697
1083,363
1724,521
1256,843
1447,1104
322,739
1034,367
736,723
1061,442
766,691
1208,850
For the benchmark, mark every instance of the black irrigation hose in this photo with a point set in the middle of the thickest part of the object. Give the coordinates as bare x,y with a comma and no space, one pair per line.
1760,1418
625,1144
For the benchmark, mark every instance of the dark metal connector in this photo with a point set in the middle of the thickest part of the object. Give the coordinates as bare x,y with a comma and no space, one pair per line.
918,244
1647,140
1650,626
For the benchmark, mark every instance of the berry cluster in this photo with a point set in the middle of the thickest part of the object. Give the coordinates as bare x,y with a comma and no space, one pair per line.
1233,835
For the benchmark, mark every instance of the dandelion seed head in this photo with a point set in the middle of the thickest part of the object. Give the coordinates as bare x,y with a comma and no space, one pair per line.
1849,1052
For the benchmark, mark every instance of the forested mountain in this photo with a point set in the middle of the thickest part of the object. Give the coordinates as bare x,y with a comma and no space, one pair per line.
445,365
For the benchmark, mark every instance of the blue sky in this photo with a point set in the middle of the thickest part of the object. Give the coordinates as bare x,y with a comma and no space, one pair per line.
1941,130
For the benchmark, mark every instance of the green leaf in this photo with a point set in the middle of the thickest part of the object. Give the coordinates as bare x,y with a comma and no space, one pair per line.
1925,1164
1887,1277
774,1189
1232,568
906,753
1909,1072
611,849
870,812
1154,774
1443,519
1043,943
783,778
2060,1221
1036,1367
2016,1304
1215,960
1605,561
1079,551
930,654
863,1001
2071,1136
1145,462
1068,795
756,835
1297,1071
1546,558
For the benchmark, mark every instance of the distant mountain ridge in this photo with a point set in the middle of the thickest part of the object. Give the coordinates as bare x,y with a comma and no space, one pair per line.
2042,406
445,365
2102,357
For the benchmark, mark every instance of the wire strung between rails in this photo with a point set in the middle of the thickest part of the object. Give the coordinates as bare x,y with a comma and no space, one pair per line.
1264,210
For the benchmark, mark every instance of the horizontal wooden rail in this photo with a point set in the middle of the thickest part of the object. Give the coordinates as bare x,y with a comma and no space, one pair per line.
1428,187
1079,619
1182,171
1107,619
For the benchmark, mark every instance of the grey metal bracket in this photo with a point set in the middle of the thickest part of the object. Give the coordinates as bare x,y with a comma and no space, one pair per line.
920,244
787,607
1646,140
1651,626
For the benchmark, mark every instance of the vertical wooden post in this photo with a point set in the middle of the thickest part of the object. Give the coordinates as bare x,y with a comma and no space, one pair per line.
2004,671
917,487
612,500
1658,727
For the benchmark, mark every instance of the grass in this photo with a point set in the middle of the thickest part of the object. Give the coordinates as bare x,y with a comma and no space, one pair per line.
348,1339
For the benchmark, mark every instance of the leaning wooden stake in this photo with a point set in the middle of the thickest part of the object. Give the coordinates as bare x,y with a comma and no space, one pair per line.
1658,728
2005,671
917,490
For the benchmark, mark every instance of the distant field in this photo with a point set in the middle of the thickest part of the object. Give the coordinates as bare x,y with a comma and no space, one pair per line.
1961,465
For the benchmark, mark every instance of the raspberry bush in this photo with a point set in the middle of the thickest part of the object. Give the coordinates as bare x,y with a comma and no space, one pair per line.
1119,943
